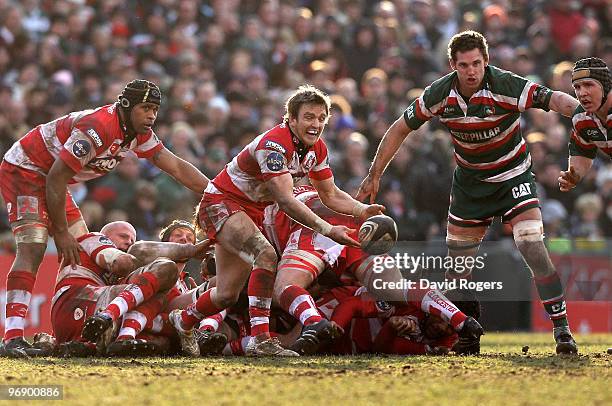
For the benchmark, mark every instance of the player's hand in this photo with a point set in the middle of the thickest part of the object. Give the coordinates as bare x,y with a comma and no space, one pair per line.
202,249
368,188
372,210
337,331
67,249
403,325
340,234
568,179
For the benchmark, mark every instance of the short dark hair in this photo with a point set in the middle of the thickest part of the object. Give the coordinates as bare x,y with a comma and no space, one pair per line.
305,94
466,41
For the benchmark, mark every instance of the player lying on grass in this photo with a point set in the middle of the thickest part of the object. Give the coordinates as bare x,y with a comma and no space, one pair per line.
374,326
365,325
151,318
113,282
306,253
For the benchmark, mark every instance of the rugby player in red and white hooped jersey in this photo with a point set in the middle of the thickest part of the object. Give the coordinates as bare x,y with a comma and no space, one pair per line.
481,106
77,147
305,254
114,282
231,211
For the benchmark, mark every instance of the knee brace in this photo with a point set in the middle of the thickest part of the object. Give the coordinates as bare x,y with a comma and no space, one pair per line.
462,242
28,232
528,231
302,261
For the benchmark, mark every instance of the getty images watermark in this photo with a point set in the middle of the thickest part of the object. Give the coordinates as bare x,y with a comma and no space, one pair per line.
461,266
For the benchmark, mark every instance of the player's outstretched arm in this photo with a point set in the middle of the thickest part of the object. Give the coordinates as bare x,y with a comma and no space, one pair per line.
393,138
578,166
56,187
281,188
184,172
148,251
341,202
563,103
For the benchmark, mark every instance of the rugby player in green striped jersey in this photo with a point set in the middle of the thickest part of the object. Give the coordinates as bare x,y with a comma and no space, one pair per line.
481,106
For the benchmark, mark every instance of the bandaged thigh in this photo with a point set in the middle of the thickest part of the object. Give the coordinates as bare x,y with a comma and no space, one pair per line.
30,232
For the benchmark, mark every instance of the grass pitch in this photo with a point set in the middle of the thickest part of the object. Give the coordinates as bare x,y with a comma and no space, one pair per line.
501,375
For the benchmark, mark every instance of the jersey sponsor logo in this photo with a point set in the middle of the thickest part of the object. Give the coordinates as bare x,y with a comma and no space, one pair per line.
476,135
114,148
276,146
78,313
489,110
451,111
105,240
81,148
104,164
27,207
383,306
309,161
94,135
593,134
274,161
111,109
524,189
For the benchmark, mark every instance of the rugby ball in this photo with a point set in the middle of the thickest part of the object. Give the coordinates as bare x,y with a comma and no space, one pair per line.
378,234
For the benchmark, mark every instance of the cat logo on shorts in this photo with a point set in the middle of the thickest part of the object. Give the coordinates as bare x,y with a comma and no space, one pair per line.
524,189
78,313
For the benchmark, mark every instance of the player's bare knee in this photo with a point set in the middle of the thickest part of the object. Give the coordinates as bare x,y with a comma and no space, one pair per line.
166,271
225,298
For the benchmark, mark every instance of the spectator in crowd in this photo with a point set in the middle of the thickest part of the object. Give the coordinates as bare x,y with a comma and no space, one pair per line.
226,65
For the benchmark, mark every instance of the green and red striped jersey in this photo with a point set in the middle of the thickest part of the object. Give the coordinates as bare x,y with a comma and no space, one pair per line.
589,133
486,130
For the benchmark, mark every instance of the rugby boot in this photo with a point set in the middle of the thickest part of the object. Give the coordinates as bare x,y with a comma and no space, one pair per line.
76,349
17,347
131,348
565,342
189,344
96,326
267,347
469,338
314,337
210,343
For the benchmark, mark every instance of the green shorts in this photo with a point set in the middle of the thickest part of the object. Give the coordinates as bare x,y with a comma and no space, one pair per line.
475,203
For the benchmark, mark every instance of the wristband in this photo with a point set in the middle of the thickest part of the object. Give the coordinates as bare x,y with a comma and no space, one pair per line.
322,227
358,209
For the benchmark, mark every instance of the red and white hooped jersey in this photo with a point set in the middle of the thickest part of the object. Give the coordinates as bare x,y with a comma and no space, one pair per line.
90,271
282,231
271,154
88,141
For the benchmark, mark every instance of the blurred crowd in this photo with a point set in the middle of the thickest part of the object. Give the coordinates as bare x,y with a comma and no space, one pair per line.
226,66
